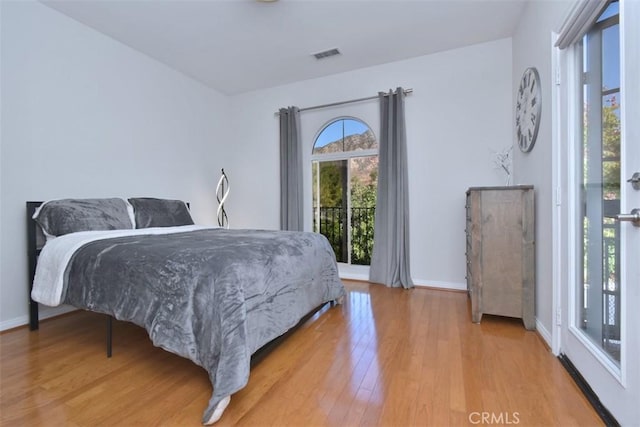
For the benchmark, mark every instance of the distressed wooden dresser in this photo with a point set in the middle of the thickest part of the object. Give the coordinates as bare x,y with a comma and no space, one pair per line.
501,252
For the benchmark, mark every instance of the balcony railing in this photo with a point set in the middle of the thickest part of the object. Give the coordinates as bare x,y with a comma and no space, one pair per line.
611,290
332,226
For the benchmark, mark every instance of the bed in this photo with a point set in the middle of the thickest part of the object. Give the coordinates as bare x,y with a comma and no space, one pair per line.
209,294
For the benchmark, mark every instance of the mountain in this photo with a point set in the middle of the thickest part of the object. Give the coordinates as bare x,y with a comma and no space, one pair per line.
360,141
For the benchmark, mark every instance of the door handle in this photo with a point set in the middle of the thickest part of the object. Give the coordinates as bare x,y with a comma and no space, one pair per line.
634,217
635,181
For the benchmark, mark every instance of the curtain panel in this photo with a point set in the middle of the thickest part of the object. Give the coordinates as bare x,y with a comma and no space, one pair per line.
291,194
390,257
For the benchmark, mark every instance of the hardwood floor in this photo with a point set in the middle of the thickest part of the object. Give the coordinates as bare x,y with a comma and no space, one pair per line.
386,357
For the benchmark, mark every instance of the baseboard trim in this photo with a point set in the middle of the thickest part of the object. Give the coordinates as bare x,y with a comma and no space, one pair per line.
45,313
449,286
363,276
543,333
606,416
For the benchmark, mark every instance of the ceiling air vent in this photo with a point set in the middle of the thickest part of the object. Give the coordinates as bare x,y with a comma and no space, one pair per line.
326,53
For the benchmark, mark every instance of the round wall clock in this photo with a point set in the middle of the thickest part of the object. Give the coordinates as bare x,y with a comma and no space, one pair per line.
528,108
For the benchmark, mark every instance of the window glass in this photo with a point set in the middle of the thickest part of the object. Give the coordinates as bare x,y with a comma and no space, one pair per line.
611,58
345,182
344,135
612,10
599,293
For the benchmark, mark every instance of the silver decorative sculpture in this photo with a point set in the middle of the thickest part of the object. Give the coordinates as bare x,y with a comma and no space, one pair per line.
221,196
502,161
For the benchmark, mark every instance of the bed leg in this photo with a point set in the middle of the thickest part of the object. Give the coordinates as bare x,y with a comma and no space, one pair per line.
109,334
34,322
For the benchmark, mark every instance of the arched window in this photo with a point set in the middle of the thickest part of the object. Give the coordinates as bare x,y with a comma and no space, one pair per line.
345,182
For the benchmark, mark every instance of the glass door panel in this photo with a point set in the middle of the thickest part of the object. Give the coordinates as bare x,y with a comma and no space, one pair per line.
599,291
363,173
330,194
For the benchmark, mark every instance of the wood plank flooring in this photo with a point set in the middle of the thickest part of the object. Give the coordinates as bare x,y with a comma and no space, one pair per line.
387,357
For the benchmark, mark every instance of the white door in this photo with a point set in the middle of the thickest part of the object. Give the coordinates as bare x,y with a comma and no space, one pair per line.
600,327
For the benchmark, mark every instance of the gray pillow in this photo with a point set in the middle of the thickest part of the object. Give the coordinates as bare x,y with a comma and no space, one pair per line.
150,212
59,217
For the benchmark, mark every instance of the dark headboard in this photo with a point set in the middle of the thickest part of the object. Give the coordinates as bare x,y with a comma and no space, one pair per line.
35,242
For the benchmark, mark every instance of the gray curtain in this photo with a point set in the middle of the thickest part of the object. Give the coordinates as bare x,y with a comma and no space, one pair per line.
390,257
291,217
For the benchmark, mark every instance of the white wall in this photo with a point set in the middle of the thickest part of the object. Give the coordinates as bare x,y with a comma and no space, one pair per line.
458,115
532,47
85,116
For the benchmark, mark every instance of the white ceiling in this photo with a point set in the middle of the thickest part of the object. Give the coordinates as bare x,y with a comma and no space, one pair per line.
236,46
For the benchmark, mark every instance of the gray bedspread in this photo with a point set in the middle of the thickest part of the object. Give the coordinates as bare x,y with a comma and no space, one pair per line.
214,296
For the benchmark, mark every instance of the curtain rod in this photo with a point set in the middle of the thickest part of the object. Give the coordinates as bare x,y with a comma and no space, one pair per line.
333,104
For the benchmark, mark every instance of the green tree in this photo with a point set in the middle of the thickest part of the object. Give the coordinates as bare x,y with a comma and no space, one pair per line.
331,174
363,202
611,150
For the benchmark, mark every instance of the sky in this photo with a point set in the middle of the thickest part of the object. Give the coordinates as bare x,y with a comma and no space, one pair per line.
334,131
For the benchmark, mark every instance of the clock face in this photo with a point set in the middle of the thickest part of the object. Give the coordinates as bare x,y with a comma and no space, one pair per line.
528,107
